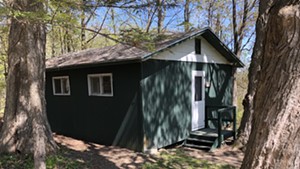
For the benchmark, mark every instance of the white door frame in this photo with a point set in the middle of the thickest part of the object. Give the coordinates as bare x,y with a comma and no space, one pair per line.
198,106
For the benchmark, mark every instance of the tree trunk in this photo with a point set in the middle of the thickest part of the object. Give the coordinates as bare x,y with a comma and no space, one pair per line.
67,40
83,26
246,122
160,15
187,15
210,13
234,27
274,141
238,34
25,128
237,51
218,26
113,21
150,16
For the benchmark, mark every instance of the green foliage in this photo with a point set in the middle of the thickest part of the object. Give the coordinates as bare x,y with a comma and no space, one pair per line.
16,161
32,16
57,161
179,159
4,29
137,37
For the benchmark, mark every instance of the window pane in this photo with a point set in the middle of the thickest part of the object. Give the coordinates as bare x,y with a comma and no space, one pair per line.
106,84
95,85
57,86
198,46
65,86
198,88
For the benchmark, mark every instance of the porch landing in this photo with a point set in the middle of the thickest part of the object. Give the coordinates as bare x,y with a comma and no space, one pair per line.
206,138
212,132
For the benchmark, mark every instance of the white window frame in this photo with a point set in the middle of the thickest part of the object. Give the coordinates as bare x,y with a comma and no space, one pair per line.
101,87
53,85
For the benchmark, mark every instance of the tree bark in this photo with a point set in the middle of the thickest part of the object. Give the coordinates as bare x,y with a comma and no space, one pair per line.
234,27
274,141
113,20
187,13
238,32
218,26
210,13
150,14
238,36
67,40
160,15
246,122
83,26
26,128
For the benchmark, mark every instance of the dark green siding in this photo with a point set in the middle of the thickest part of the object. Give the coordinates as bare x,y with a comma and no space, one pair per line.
221,84
157,116
99,119
166,97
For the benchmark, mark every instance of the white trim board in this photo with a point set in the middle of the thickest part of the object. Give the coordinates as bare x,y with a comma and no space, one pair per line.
185,51
100,75
61,86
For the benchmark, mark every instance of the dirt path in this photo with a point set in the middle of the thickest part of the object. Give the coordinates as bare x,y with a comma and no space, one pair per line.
109,157
100,156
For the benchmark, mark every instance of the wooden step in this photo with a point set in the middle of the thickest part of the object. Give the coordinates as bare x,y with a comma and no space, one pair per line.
200,140
204,139
210,138
198,146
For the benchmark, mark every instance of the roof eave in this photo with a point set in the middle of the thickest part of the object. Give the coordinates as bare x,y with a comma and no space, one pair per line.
86,65
222,48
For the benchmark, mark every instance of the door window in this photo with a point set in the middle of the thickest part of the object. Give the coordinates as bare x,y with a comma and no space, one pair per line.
198,88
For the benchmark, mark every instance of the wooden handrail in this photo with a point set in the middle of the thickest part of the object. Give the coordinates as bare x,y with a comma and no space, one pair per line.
219,128
220,110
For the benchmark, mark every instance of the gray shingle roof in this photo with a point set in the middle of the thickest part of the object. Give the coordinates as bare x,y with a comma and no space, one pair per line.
123,52
119,52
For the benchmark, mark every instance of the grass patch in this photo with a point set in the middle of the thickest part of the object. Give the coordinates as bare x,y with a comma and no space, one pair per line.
57,161
239,116
179,159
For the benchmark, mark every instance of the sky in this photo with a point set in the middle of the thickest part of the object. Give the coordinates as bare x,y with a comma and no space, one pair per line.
132,18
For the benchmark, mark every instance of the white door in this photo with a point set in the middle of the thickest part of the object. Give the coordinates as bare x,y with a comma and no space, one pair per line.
198,100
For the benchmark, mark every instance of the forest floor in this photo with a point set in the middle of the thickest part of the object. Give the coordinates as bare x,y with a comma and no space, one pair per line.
90,155
114,157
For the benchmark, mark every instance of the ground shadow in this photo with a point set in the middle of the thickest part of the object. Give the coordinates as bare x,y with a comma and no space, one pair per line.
99,156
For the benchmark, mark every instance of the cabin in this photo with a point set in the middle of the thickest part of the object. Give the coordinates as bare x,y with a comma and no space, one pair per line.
143,99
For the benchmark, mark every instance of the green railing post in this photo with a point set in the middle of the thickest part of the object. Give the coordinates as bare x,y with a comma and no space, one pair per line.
206,115
221,110
234,122
219,129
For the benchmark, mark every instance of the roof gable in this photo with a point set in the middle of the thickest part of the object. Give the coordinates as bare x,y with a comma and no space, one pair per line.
211,38
186,51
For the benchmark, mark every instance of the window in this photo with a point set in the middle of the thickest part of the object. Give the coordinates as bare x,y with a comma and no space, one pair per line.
61,85
100,84
198,46
198,88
